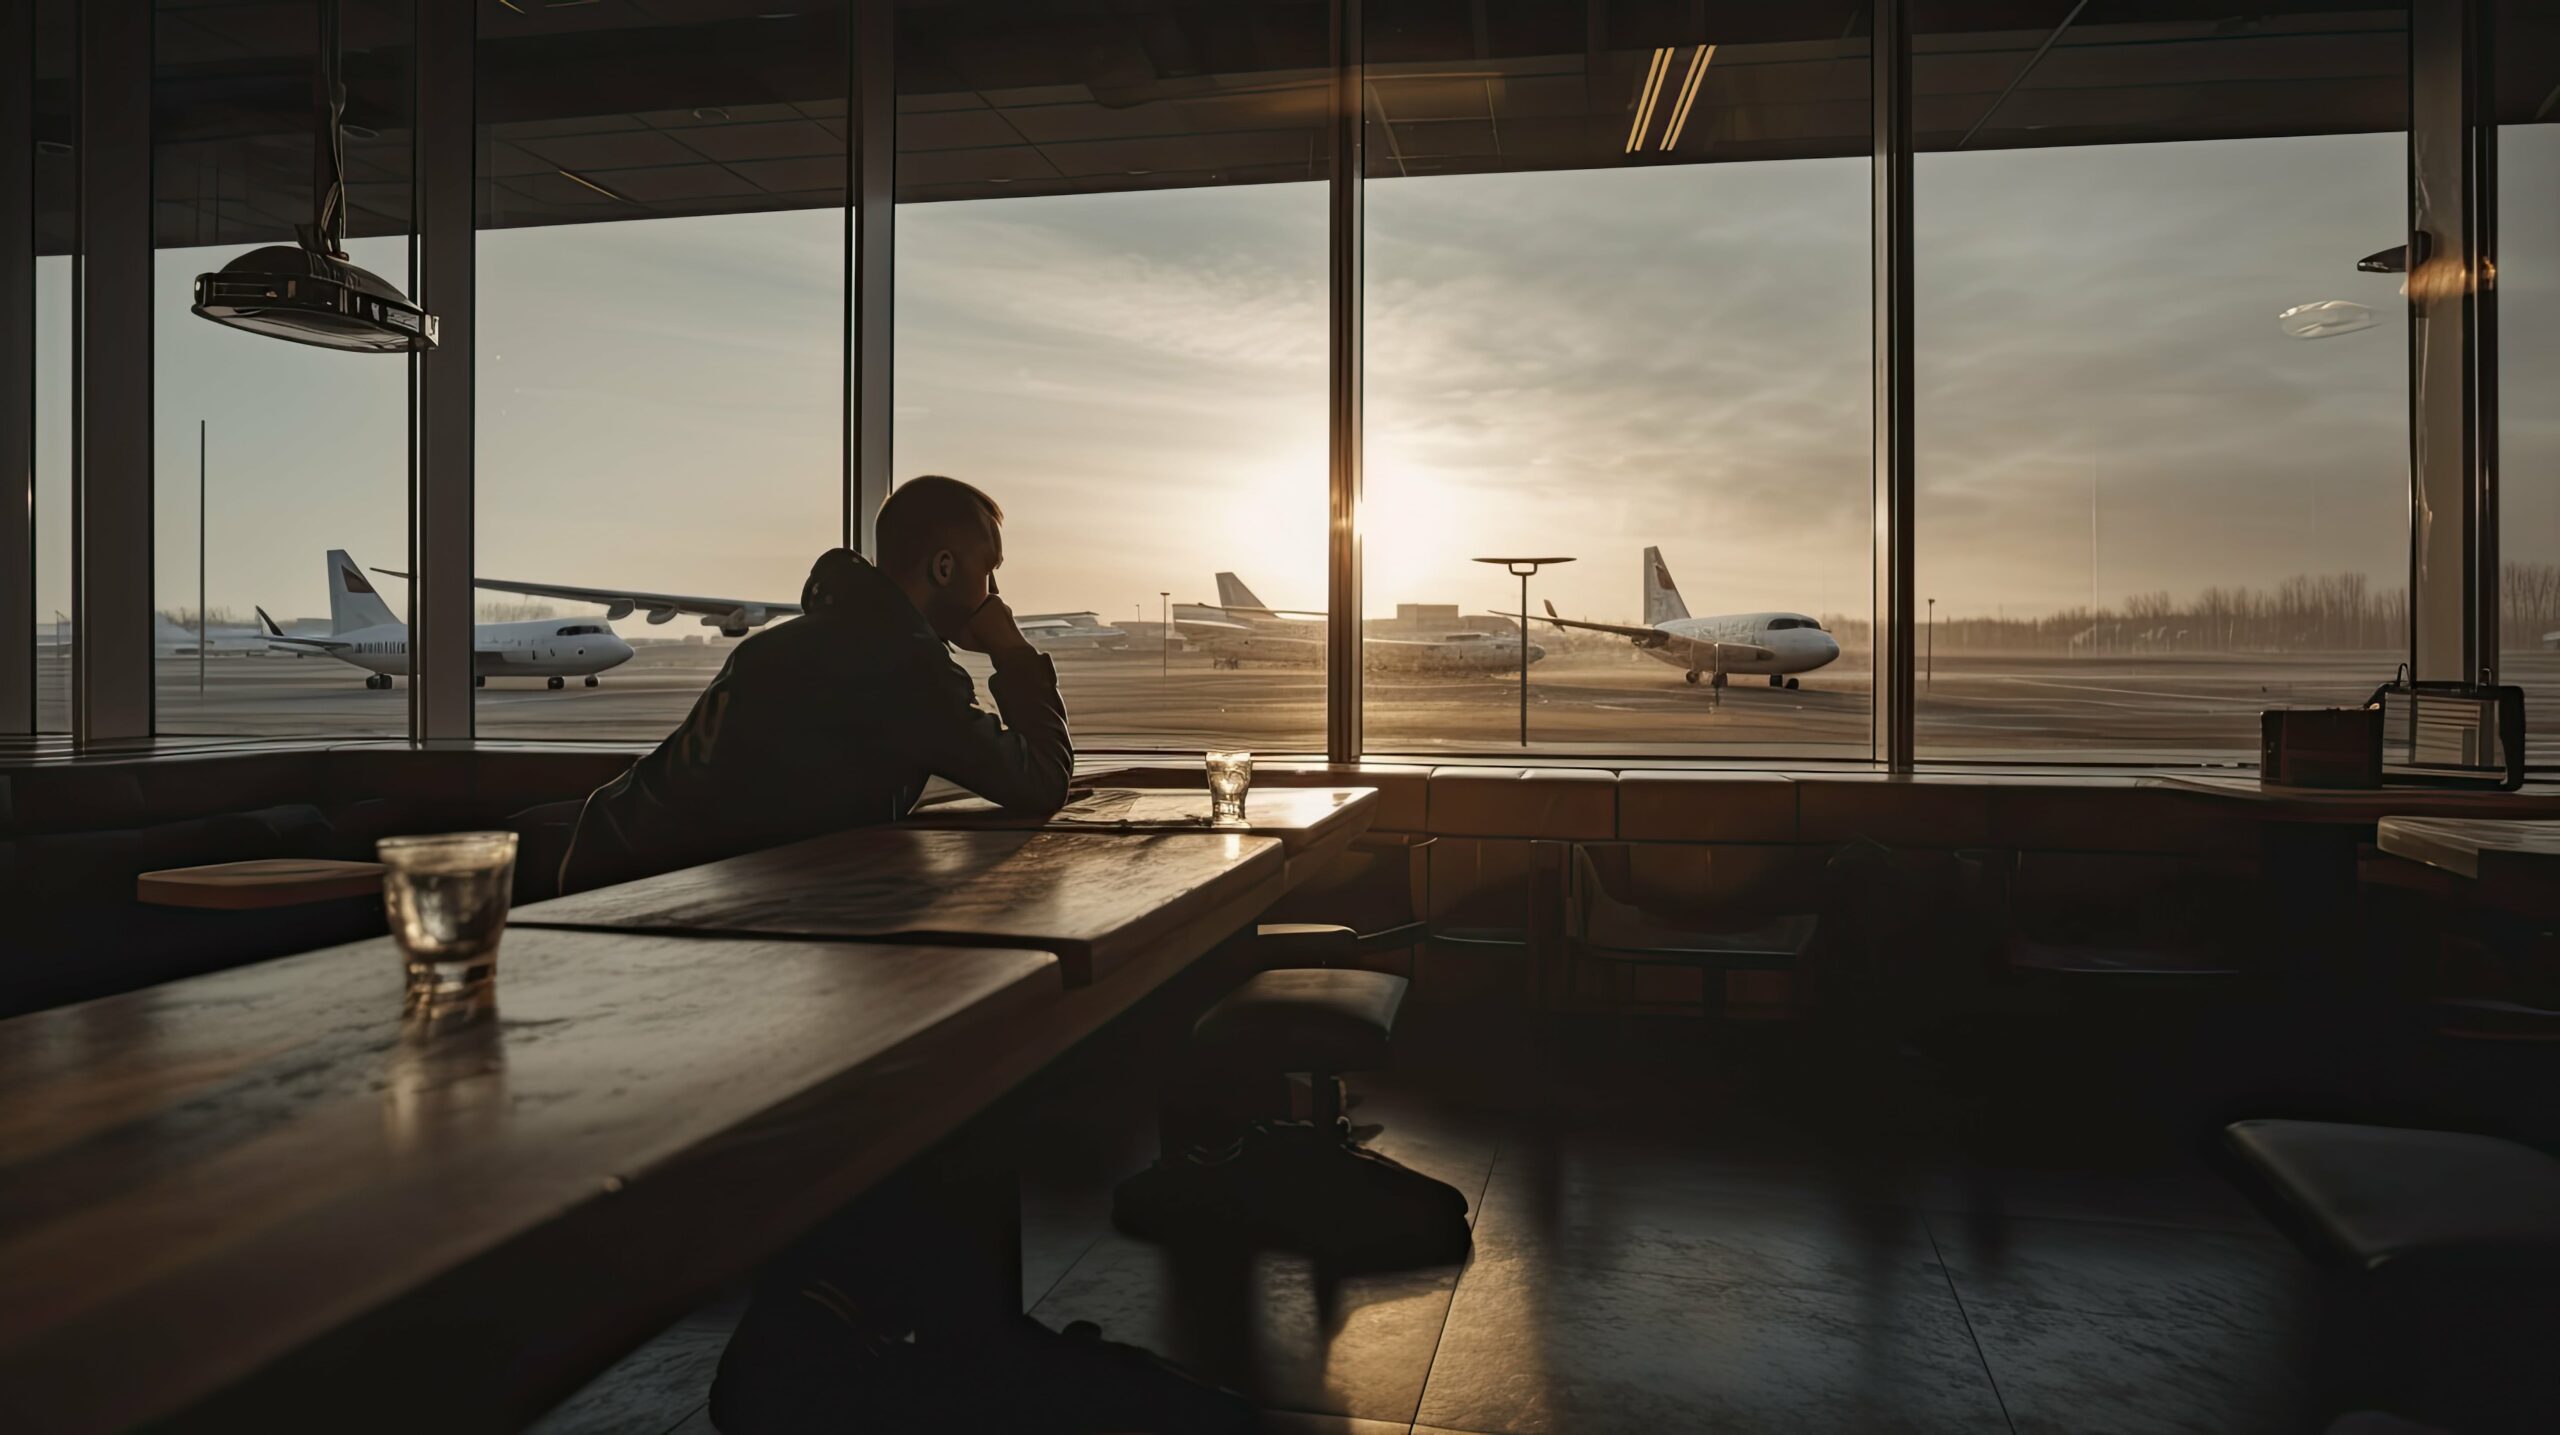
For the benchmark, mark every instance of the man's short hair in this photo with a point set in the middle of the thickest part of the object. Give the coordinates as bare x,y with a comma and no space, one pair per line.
929,513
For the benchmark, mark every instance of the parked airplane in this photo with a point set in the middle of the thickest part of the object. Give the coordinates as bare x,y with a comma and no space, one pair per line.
735,617
363,633
1240,628
1777,644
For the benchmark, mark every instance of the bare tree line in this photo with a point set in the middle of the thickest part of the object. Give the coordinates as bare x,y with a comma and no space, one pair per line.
2313,612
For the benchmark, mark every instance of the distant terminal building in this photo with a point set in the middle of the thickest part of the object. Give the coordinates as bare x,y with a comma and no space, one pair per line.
1433,620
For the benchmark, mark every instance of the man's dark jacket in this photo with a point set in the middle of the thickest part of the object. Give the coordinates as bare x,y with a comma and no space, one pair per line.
833,720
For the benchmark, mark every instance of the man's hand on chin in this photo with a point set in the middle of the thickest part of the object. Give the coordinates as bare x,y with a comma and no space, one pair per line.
993,632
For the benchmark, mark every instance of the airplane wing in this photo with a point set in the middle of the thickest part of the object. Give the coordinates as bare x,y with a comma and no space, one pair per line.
275,634
1656,638
727,614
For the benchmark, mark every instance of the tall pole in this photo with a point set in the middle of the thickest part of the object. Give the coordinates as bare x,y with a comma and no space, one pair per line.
204,626
1164,633
1932,678
1521,568
1524,658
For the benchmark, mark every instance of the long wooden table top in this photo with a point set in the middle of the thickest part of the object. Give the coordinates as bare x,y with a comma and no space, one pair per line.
2361,805
262,1187
2514,865
1313,824
1098,901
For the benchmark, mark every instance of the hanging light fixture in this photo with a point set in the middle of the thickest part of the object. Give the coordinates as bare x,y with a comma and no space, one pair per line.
308,292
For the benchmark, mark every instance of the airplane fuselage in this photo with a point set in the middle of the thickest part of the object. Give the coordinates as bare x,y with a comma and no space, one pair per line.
1796,643
542,648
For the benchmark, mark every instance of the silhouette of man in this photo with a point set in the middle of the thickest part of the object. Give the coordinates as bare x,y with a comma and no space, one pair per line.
837,719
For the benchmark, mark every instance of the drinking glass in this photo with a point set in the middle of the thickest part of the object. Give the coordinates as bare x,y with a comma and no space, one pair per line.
1230,775
446,897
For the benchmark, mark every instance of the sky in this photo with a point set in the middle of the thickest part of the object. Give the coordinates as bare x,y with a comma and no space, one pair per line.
1577,362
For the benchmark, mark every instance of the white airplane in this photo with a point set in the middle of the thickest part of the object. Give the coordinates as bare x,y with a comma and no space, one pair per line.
1240,628
1777,644
735,617
363,633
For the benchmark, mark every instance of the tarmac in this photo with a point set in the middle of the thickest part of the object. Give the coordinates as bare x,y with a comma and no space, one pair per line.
1593,701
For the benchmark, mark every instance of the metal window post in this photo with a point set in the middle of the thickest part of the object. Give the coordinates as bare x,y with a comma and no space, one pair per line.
17,367
871,270
2453,531
1895,467
443,478
111,500
1344,651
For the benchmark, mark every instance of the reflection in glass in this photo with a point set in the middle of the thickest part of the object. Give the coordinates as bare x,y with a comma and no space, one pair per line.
2140,531
659,412
1111,316
269,455
1617,307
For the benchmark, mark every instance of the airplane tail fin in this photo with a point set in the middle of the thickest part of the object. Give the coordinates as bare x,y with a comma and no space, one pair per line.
353,603
1232,594
1662,601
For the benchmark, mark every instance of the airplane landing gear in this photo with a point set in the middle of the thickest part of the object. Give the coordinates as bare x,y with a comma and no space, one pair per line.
1692,678
1791,685
557,684
377,680
591,680
1777,682
480,680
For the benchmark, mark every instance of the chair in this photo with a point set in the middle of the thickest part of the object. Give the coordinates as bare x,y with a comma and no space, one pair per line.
2125,920
1629,905
1370,901
1230,1173
2445,1245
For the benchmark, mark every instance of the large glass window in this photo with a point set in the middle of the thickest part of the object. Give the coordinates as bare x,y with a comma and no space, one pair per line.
269,455
1111,316
2163,417
661,327
2527,70
1617,310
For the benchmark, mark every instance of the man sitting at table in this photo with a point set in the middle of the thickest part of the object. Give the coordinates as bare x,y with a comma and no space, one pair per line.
837,719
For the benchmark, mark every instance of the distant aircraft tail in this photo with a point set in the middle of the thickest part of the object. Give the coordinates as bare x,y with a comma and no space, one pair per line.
1662,601
353,603
1235,597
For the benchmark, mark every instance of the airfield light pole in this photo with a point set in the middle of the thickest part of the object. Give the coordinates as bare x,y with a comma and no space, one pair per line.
1522,568
1931,679
1164,633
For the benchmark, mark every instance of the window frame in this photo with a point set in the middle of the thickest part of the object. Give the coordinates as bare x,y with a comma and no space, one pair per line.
2452,151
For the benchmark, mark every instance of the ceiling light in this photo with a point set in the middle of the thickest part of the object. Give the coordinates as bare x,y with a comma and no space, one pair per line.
1688,94
591,184
309,293
1644,102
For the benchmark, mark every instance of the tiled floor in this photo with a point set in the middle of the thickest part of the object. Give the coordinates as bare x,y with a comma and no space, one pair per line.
1671,1241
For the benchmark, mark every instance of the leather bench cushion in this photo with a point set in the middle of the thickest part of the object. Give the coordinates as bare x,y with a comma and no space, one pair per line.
2378,1196
1329,1019
1669,806
1548,802
1897,811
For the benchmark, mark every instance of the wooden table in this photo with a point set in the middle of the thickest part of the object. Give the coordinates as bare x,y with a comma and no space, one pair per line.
268,882
2515,864
1313,824
1098,901
258,1200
